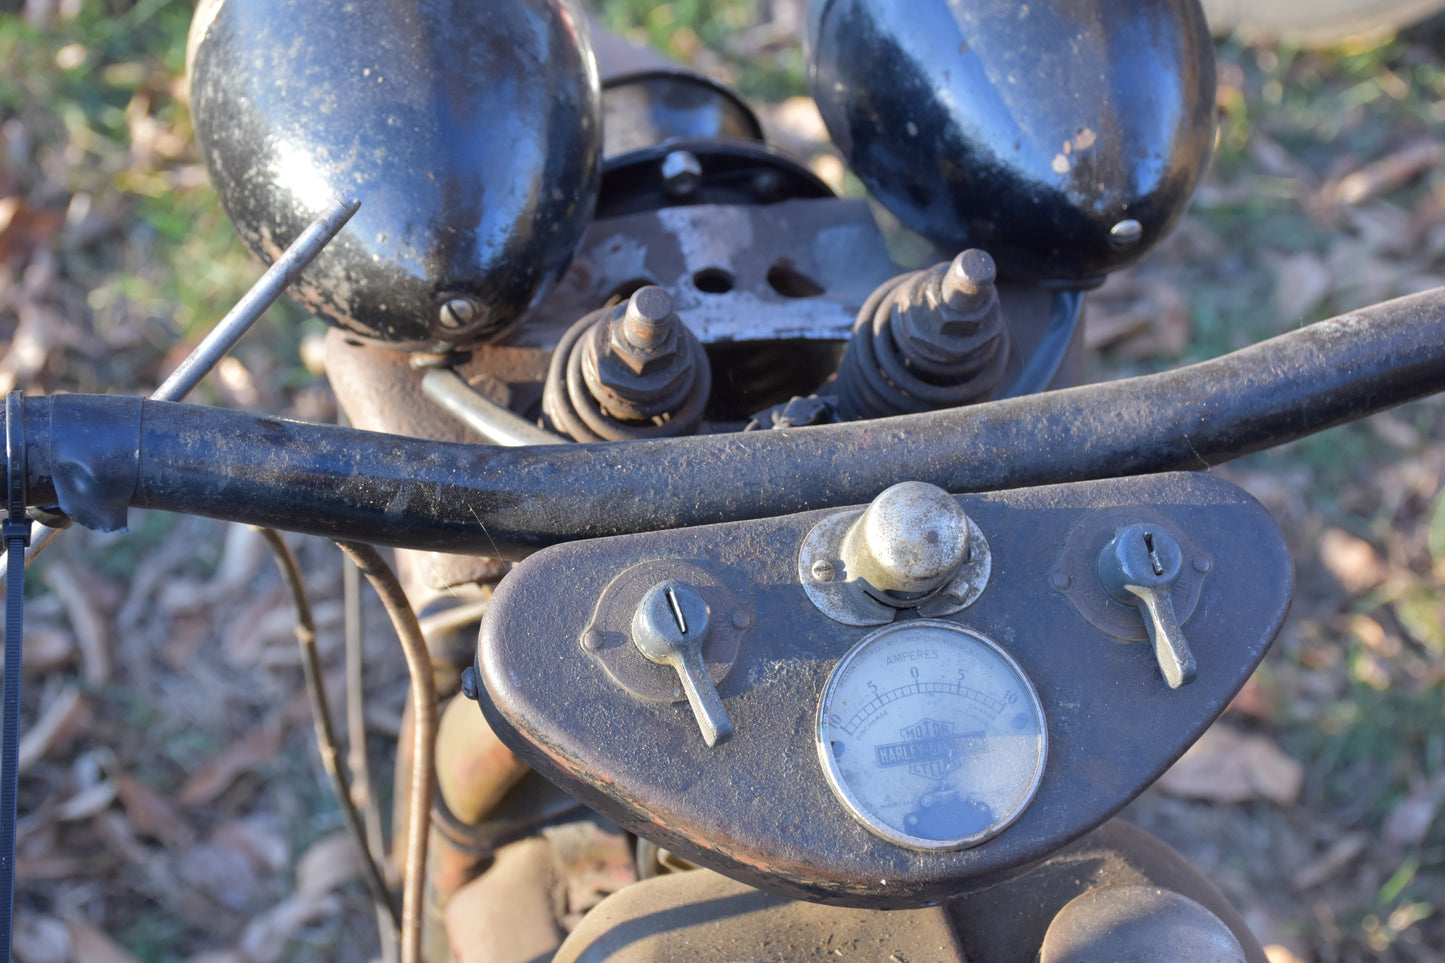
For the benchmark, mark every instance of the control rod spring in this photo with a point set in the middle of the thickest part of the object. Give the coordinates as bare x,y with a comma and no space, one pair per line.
628,372
926,340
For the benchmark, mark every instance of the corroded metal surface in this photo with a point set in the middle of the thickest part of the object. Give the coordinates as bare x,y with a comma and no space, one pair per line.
508,502
757,807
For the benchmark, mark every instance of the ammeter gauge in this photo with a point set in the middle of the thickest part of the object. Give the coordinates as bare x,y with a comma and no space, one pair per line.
931,736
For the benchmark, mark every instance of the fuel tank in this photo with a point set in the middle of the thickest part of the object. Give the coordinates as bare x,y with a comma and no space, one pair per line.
1065,137
471,133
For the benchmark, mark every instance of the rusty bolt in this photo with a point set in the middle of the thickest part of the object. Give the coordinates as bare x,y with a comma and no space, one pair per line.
645,336
948,314
647,320
968,286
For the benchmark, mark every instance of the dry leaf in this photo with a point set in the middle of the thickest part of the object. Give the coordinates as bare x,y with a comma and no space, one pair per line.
31,344
329,863
24,228
66,716
235,383
261,839
33,869
221,872
796,125
1268,929
1388,173
1273,159
1374,637
86,803
188,631
257,749
234,865
1278,492
1382,226
115,832
1229,766
1362,273
1410,820
243,553
1103,327
1395,430
830,171
93,946
1257,699
45,647
89,624
1351,560
163,566
1138,316
268,616
1301,284
39,939
1277,953
1340,854
151,814
265,939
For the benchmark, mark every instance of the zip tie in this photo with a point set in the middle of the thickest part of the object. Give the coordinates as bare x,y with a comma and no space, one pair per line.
16,532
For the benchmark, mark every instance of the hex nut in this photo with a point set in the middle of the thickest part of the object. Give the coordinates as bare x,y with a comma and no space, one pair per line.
681,173
948,312
644,336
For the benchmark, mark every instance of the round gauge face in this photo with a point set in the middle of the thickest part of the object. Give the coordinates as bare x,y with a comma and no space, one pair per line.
931,736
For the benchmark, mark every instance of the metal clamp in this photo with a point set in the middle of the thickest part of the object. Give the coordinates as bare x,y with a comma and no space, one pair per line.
17,524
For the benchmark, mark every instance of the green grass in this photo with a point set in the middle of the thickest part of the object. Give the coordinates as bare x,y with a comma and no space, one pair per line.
154,936
681,28
80,90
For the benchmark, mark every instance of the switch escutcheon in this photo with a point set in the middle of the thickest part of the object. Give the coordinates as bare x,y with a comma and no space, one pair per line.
669,627
1139,567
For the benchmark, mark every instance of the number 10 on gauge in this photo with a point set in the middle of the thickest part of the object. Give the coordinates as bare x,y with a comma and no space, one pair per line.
931,735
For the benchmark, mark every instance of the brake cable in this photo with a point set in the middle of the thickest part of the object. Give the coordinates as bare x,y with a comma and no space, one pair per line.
16,532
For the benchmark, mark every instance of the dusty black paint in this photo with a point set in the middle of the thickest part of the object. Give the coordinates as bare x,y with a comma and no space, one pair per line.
510,502
471,132
757,807
1029,130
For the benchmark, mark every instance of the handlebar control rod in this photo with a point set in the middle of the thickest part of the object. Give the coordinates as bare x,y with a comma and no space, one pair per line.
247,311
94,456
236,323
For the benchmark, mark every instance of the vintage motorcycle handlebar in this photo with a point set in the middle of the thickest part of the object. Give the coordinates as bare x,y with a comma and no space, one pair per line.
512,172
95,456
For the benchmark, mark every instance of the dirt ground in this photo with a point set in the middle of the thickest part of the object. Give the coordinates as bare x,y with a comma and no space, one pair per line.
172,806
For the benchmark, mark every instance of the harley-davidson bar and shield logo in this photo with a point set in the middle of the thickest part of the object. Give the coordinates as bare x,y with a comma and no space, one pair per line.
930,749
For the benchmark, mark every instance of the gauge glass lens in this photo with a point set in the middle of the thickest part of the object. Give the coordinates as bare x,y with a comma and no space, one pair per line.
931,736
